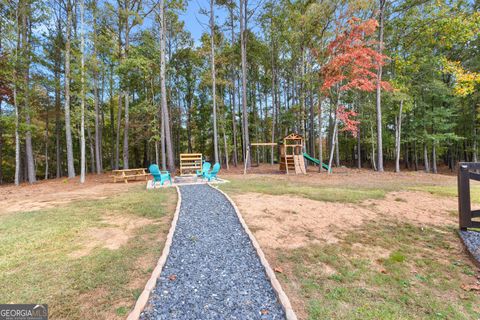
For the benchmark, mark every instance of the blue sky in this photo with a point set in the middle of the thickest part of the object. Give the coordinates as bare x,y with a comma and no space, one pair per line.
197,23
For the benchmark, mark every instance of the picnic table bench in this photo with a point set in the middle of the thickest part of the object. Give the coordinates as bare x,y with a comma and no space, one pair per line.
126,174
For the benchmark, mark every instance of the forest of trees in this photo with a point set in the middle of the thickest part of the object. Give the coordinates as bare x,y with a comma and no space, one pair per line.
90,86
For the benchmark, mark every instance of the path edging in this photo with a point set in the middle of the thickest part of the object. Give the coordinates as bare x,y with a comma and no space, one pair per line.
281,295
151,283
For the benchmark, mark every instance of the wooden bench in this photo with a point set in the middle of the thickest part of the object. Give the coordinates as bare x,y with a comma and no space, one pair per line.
127,174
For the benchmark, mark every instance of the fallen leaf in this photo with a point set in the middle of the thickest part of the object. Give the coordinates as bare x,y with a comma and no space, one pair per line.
383,271
468,287
172,277
279,270
264,311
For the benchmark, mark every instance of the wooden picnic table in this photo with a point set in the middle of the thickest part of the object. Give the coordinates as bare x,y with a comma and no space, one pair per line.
126,174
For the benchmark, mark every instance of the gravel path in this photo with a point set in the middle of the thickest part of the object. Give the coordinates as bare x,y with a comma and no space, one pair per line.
212,271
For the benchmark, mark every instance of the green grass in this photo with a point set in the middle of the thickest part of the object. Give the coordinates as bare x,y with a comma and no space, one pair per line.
315,192
420,278
36,266
450,191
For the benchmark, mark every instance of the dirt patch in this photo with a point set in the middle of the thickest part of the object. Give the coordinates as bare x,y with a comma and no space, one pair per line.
418,207
52,193
291,222
118,231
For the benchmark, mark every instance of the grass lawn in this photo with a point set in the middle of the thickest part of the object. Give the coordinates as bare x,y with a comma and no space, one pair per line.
37,265
451,191
311,191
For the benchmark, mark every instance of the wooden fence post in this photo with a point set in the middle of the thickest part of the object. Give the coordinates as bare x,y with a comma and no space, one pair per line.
464,205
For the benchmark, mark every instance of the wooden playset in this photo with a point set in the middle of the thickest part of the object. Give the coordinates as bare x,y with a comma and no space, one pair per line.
291,154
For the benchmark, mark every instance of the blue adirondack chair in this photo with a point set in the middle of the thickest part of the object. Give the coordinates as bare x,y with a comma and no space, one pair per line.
159,176
205,168
213,174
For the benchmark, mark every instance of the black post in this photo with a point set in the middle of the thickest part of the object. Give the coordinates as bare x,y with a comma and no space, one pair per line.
464,205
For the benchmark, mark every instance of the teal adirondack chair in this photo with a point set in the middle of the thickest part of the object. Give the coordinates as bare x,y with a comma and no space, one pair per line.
205,168
159,176
213,174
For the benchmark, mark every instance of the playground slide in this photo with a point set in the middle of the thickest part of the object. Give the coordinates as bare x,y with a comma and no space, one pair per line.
308,157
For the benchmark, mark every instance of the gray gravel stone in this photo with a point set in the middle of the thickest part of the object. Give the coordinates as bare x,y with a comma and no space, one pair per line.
472,242
212,271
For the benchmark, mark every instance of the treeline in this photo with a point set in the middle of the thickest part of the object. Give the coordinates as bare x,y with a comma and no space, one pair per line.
89,86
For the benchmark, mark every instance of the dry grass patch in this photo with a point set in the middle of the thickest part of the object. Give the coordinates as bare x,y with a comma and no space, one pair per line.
292,221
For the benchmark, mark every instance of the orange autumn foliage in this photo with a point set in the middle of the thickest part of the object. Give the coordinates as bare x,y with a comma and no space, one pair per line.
353,62
353,65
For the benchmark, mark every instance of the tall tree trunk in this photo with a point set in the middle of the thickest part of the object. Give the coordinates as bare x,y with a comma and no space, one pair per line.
46,141
26,34
374,164
415,155
162,139
16,106
320,125
119,127
379,88
165,112
68,130
92,150
434,157
112,121
243,44
126,94
98,141
240,117
302,93
225,146
334,135
232,96
359,142
272,61
189,123
17,135
359,148
214,85
58,127
272,153
311,129
101,128
425,158
125,131
82,94
398,133
337,151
